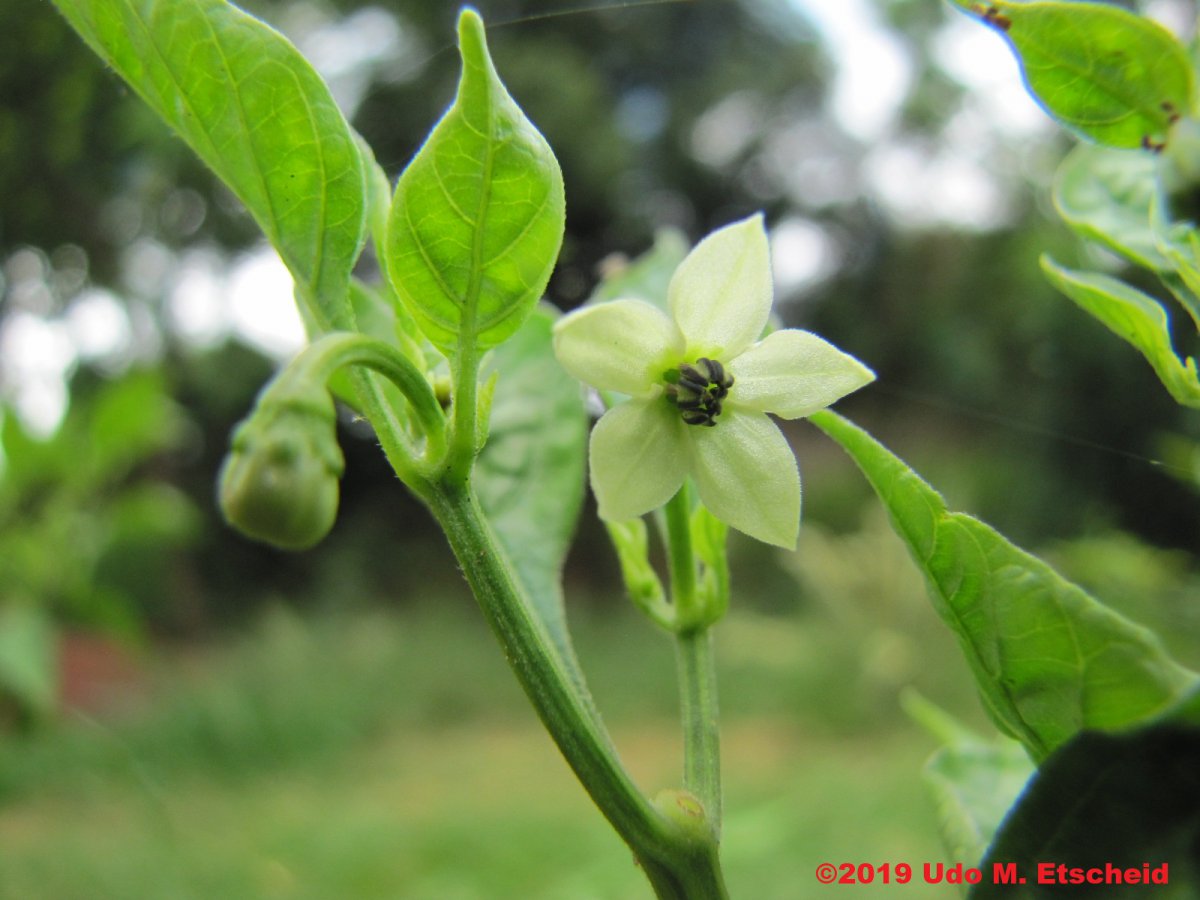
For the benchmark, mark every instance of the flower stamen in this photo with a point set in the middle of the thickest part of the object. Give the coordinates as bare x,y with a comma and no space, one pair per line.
697,389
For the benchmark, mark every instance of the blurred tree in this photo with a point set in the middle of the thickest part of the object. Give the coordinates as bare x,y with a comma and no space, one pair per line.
908,237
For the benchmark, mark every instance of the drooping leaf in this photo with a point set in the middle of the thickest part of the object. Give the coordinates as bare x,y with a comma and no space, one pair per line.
973,781
1179,242
1109,74
1048,659
1107,195
1134,316
478,215
253,109
1127,801
973,785
530,475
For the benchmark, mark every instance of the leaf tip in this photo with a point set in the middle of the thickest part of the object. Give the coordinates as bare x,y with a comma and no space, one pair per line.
472,33
1049,266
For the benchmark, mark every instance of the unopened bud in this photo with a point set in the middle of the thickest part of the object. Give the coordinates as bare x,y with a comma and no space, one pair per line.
279,483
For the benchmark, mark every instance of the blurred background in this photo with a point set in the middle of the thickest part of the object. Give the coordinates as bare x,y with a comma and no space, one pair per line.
186,714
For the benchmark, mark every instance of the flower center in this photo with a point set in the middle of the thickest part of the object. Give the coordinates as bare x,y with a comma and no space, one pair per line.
698,389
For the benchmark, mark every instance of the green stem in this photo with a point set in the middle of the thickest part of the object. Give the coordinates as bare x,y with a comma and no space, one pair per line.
333,351
681,559
464,432
701,733
694,664
679,865
391,433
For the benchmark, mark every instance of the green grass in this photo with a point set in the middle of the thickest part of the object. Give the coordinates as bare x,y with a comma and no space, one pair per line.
470,811
392,756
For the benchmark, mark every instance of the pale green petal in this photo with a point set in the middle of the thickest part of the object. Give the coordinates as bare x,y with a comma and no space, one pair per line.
747,476
720,296
639,458
793,374
619,346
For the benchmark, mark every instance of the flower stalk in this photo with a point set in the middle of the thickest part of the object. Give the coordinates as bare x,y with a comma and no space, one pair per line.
697,674
691,624
680,861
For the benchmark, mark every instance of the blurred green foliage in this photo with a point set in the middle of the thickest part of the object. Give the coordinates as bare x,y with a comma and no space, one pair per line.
87,533
359,754
343,752
1014,404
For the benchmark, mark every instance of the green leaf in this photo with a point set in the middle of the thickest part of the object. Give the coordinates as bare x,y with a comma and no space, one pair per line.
1107,195
630,539
530,475
1048,659
1125,800
1102,71
128,421
253,109
28,659
1180,244
647,276
378,196
973,784
1134,316
478,215
973,781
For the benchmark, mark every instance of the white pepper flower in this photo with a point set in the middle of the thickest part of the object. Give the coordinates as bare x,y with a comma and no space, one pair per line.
700,385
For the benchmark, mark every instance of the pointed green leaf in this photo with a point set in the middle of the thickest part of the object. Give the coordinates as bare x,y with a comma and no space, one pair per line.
973,784
646,277
1130,801
1106,195
1134,316
973,781
253,109
1048,659
530,475
378,194
478,216
1103,71
1179,242
631,541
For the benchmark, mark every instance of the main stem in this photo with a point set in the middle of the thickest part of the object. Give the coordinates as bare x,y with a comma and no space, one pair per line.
679,866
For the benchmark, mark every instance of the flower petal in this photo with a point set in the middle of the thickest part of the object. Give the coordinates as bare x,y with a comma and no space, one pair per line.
794,373
720,296
747,476
619,346
638,458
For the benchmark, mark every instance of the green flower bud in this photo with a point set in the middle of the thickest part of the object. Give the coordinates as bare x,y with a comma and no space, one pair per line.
685,811
279,483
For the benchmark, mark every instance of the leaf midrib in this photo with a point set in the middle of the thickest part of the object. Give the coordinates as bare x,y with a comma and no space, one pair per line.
467,333
248,143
